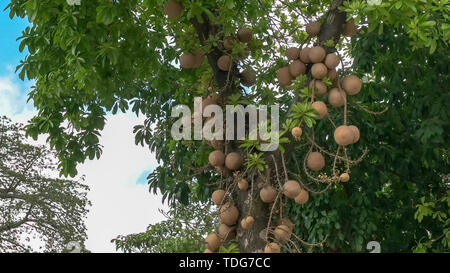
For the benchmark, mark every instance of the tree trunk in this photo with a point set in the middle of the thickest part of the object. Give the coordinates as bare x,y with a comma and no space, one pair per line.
251,241
248,202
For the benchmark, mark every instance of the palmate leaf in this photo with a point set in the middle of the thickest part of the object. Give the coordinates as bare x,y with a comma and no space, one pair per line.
305,111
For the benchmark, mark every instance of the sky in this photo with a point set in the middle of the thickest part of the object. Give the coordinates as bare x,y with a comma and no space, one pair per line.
121,202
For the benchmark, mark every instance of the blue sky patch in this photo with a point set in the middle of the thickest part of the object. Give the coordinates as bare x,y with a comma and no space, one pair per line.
10,30
142,179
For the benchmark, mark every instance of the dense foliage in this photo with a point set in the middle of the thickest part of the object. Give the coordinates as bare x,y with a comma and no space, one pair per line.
409,152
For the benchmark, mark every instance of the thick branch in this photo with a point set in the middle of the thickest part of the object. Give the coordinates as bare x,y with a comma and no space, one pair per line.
204,31
331,29
13,225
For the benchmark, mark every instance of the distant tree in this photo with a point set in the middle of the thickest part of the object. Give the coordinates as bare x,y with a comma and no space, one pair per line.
183,231
37,211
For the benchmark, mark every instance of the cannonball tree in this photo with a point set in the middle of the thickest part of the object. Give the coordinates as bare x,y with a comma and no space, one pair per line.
92,58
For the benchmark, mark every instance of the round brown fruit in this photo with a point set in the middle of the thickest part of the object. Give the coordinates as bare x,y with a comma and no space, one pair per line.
318,87
213,242
336,98
296,132
218,197
344,177
244,224
332,74
317,54
248,77
282,233
243,184
173,9
233,161
216,158
228,214
291,188
284,76
214,97
321,109
332,60
352,84
247,222
268,194
304,55
297,68
302,197
272,248
250,221
225,63
245,35
313,28
225,232
315,161
319,71
228,42
286,222
350,28
293,53
199,57
187,60
356,133
343,135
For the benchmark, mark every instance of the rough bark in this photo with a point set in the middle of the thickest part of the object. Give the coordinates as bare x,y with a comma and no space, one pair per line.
250,204
252,241
331,29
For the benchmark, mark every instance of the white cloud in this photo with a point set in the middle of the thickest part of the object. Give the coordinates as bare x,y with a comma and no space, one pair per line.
13,98
119,205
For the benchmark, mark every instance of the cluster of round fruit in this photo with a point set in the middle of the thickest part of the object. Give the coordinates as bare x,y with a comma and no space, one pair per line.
173,10
282,234
348,29
225,163
228,216
244,36
322,65
343,135
291,189
192,60
212,99
283,231
225,62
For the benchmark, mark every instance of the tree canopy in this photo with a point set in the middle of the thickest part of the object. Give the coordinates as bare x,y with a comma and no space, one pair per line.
37,211
103,56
